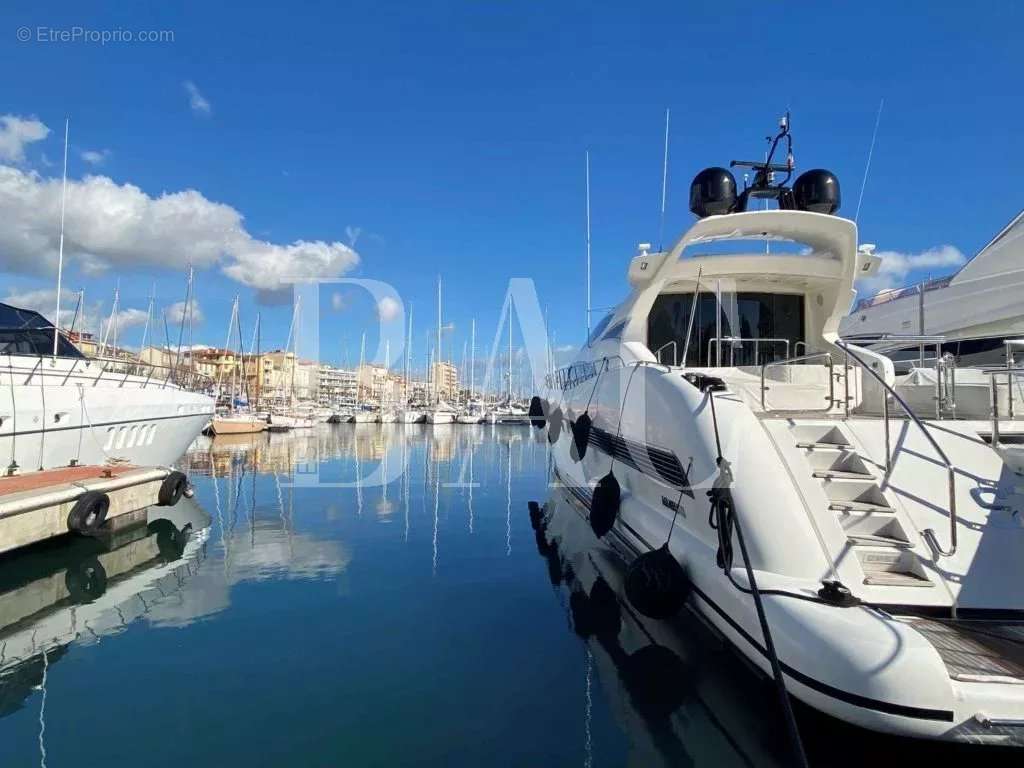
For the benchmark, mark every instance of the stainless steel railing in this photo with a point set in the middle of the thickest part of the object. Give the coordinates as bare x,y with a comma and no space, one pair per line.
735,341
675,351
889,391
114,369
994,373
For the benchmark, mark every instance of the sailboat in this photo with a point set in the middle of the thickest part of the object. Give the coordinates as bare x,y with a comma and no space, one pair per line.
408,414
363,413
294,417
471,413
441,412
388,414
508,413
237,418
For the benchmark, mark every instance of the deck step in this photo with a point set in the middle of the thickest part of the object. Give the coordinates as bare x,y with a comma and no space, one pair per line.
890,579
824,446
860,506
874,540
839,474
891,567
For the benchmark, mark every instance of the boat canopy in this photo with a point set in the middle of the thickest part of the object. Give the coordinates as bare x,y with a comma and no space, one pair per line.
25,332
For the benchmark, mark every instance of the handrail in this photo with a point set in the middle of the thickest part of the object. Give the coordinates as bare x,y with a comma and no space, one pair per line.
675,351
741,340
800,359
117,370
929,533
1010,374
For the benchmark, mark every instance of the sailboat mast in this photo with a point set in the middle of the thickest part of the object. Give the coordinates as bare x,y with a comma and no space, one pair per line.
472,357
408,355
359,372
259,363
60,248
437,388
295,347
510,353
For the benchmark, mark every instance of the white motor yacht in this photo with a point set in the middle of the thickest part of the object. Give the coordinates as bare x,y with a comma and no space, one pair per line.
718,428
64,408
975,310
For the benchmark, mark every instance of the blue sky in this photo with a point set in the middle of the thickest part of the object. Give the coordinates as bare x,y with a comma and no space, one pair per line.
448,138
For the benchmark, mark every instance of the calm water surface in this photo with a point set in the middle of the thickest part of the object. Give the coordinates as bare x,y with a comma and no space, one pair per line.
367,596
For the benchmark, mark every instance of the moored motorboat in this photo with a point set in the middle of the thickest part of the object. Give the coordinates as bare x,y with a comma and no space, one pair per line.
58,406
716,422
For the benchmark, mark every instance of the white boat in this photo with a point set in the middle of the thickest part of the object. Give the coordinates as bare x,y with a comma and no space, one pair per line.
387,416
238,423
469,417
508,412
511,415
441,413
63,408
878,561
976,310
411,416
291,420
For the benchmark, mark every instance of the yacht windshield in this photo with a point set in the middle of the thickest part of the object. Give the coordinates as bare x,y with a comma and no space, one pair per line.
24,332
751,328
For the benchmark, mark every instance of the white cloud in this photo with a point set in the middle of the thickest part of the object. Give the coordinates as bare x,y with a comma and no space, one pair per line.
18,132
118,226
268,268
896,267
353,233
176,312
388,309
338,302
90,318
96,157
44,301
199,103
127,318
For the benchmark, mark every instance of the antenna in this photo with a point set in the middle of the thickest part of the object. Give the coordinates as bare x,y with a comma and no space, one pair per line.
60,249
867,165
664,185
588,243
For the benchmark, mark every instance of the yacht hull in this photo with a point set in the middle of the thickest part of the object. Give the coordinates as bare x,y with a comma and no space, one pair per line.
64,410
237,426
440,417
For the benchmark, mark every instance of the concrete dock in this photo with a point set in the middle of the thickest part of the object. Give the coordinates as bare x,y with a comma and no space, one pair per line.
80,499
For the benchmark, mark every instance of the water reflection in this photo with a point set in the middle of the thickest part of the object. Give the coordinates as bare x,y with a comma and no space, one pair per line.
69,592
680,697
362,594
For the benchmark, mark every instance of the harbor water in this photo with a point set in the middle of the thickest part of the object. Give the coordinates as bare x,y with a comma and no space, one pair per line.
371,595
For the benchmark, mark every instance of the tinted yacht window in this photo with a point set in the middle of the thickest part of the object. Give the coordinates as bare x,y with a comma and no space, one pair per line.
760,323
